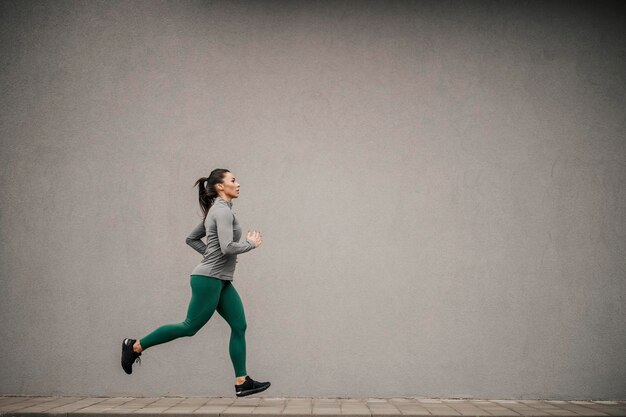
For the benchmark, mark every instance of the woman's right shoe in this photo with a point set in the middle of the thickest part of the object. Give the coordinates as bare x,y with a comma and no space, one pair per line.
250,386
129,355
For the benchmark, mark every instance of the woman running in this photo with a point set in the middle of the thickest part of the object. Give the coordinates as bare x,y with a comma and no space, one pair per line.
211,281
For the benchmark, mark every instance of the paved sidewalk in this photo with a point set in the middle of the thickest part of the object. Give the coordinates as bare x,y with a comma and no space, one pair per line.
295,407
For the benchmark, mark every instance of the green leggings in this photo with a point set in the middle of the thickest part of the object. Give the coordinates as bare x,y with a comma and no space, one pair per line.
207,295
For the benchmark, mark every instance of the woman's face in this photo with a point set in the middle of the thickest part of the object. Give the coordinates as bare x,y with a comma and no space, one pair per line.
229,186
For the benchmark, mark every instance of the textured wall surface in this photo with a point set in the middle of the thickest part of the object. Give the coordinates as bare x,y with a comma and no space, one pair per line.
440,187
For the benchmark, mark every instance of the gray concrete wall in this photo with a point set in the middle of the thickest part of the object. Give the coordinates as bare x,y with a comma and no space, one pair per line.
440,187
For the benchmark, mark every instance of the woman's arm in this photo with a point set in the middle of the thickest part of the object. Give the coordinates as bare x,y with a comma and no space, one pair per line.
224,219
195,238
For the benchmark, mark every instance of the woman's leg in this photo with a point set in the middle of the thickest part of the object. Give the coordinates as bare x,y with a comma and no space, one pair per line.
231,308
205,295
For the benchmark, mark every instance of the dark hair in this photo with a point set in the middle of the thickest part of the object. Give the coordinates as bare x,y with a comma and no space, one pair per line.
208,193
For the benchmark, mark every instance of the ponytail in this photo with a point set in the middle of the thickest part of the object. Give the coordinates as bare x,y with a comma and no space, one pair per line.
206,188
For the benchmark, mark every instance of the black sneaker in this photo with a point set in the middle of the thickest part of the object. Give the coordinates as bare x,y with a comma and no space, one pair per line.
250,386
129,355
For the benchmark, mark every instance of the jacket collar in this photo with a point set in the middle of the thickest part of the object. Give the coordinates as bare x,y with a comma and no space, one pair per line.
219,199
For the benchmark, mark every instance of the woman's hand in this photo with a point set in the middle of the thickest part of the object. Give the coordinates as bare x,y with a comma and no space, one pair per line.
255,237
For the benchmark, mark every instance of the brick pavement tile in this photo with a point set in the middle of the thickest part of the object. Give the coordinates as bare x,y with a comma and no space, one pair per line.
599,410
526,410
242,406
493,408
409,407
510,405
325,401
376,412
268,411
186,406
325,411
195,400
300,402
402,400
49,405
456,402
298,411
159,406
354,410
354,407
247,401
594,406
438,410
101,406
221,401
270,406
16,405
272,401
150,410
33,414
500,412
77,405
560,412
6,401
542,405
413,411
166,402
26,403
464,407
240,411
210,409
326,406
615,411
132,405
214,406
580,410
382,407
298,407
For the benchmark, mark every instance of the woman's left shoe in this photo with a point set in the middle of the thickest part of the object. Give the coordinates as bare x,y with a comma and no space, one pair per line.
129,355
250,386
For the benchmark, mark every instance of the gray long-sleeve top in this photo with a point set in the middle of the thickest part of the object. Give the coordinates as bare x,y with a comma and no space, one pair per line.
223,233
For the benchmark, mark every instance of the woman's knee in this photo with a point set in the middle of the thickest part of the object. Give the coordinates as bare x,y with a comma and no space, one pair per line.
190,329
239,326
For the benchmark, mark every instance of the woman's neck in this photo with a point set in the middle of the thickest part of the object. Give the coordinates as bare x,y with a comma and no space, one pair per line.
224,198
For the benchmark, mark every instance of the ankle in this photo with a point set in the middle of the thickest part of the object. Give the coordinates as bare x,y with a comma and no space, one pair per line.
137,347
240,380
